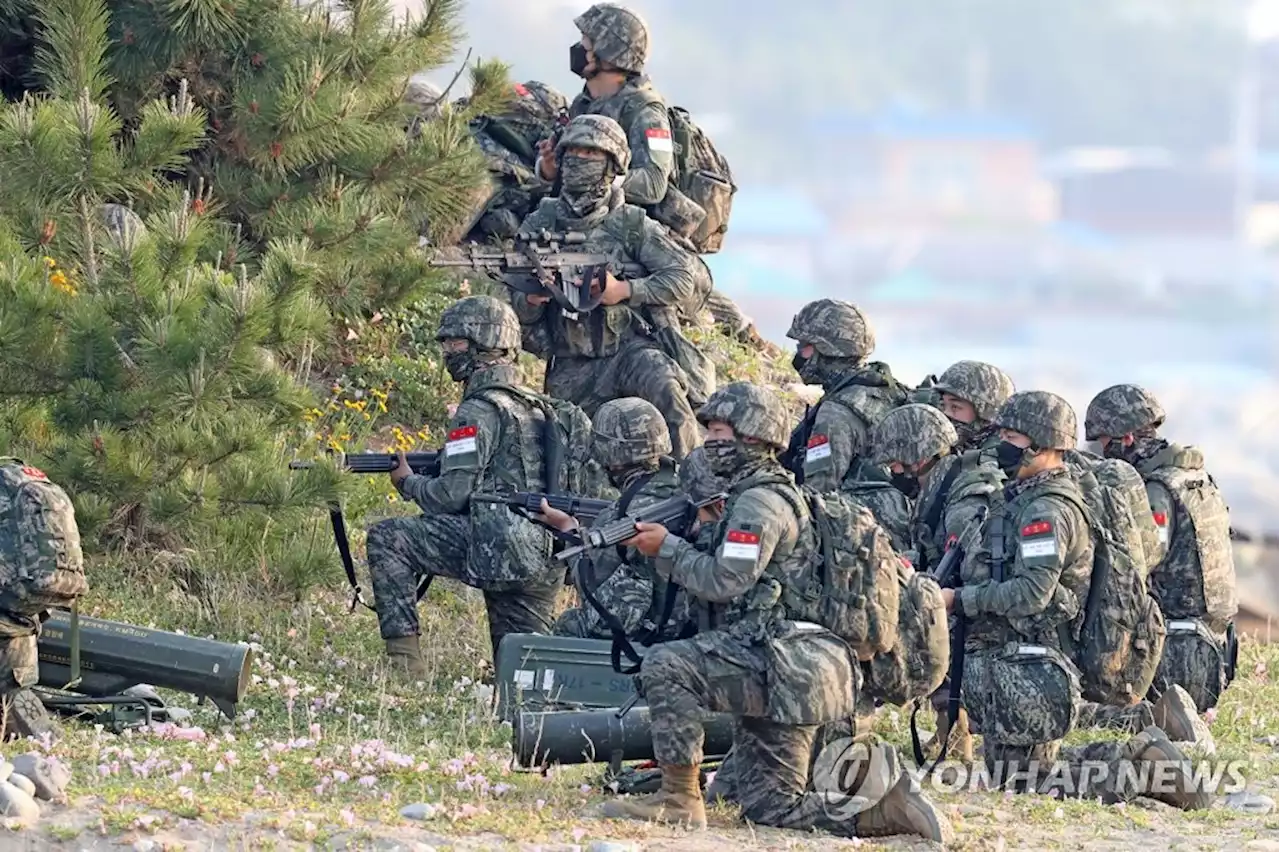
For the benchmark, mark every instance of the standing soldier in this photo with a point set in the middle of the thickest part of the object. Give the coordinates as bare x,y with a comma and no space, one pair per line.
970,394
631,345
497,442
781,678
1194,578
1026,579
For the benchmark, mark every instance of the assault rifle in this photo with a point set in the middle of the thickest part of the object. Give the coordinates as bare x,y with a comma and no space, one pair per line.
538,263
530,503
426,464
675,513
120,662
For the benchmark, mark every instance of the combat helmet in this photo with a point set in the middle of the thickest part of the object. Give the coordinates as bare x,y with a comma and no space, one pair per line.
835,328
600,133
629,431
1046,418
982,385
752,412
425,96
911,434
697,479
1121,409
618,35
538,101
485,321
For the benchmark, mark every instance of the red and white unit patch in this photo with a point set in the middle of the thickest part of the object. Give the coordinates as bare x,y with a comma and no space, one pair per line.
740,544
521,90
818,448
461,441
34,472
659,140
1162,526
1042,540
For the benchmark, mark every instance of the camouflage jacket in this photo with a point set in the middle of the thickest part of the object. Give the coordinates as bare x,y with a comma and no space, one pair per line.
494,444
642,114
870,488
1195,577
959,489
759,543
1040,542
674,287
842,420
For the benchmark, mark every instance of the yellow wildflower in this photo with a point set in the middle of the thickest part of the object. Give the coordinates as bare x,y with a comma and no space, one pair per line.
60,281
50,262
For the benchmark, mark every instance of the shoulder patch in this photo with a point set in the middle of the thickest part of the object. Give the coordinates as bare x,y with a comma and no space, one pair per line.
461,441
1162,526
1042,541
34,472
521,90
659,139
741,545
1037,528
818,448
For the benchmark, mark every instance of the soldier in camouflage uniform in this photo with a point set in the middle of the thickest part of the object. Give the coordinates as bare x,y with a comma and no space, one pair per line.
495,444
1026,576
955,491
1194,576
834,340
780,678
630,441
970,393
611,56
614,350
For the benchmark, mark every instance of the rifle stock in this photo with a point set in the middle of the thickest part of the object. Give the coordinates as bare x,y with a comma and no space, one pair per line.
115,656
675,513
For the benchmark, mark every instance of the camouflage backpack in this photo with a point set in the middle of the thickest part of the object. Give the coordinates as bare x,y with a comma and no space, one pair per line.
41,566
852,589
568,464
1121,636
917,664
703,175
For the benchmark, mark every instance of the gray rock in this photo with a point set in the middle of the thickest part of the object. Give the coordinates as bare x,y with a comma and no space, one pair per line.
419,811
23,783
16,804
1252,803
145,844
6,769
49,776
1261,846
611,846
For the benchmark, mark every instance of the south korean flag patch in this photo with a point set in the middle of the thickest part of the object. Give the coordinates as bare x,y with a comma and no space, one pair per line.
817,453
1162,526
1038,540
741,546
461,443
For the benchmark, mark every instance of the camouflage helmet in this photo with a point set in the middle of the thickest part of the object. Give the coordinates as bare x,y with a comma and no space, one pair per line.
618,35
424,96
696,477
1046,418
836,329
124,227
1121,409
485,321
752,412
629,431
911,434
600,133
538,101
981,385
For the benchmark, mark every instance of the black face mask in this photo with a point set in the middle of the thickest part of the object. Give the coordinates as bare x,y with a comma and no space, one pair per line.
578,61
906,483
1010,457
460,364
1114,449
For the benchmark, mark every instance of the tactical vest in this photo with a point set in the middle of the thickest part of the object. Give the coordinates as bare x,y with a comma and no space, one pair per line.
1001,540
890,507
622,106
868,394
1196,578
964,477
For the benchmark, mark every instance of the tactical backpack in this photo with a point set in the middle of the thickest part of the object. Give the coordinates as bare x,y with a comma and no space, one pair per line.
1122,633
917,664
566,443
702,174
41,566
852,586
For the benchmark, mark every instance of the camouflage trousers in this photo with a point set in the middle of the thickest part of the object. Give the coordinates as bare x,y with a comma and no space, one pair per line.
1048,767
402,551
19,654
635,370
1194,660
776,718
724,311
630,599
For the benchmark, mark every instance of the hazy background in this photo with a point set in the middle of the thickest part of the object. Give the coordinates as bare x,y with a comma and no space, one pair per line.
1081,192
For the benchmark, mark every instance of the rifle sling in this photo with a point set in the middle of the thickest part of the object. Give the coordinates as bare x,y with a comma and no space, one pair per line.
348,564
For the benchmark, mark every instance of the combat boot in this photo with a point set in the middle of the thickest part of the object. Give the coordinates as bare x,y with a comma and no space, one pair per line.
961,741
1175,714
405,656
1167,776
679,802
904,810
23,714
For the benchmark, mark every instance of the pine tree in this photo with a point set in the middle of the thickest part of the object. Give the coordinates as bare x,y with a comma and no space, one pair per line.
183,226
